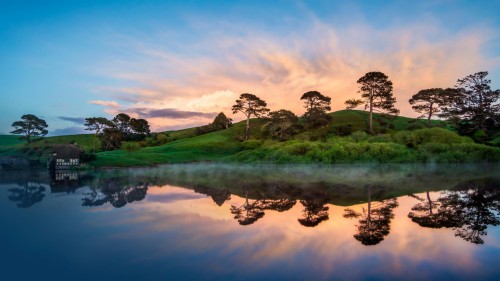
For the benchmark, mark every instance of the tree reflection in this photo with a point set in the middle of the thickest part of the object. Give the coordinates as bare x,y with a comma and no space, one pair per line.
27,195
116,195
251,211
435,213
469,210
218,195
374,221
314,211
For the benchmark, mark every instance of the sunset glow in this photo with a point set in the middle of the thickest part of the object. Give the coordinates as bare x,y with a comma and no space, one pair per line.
179,64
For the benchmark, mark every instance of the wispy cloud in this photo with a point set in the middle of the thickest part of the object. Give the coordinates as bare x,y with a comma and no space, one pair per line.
169,113
68,131
112,104
76,120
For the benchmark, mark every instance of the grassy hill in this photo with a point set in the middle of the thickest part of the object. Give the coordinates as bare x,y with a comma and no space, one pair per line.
322,145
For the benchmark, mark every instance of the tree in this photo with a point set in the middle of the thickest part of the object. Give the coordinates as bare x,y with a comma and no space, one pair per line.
250,105
283,124
122,123
97,124
221,122
375,221
429,102
317,106
474,104
314,212
353,103
30,126
139,128
314,99
376,90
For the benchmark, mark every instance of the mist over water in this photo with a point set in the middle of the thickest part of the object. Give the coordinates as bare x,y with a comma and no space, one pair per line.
212,221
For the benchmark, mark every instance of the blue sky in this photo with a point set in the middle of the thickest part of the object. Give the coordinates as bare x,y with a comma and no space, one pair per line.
178,63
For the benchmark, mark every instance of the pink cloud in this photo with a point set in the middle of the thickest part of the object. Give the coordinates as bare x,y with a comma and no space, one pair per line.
112,104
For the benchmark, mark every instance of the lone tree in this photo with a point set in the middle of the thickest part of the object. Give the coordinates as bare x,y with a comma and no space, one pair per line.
429,102
376,90
250,105
30,126
474,104
97,124
317,106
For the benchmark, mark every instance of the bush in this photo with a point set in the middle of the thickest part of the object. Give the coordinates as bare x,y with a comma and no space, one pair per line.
251,144
381,138
161,139
415,126
438,135
359,136
87,156
130,146
342,130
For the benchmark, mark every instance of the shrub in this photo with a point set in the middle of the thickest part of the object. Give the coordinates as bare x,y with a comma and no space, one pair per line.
359,136
130,146
161,139
251,144
342,130
415,126
87,156
438,135
381,138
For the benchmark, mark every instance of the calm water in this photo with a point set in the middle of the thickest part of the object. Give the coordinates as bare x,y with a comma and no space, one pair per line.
205,222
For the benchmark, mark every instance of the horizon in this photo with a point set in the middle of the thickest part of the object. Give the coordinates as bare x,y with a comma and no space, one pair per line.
178,64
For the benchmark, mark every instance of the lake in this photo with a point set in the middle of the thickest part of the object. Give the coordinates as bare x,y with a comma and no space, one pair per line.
242,222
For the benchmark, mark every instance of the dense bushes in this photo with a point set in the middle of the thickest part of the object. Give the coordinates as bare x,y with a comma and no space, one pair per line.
424,145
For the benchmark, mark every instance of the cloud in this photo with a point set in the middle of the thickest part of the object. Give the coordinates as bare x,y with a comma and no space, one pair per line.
68,131
170,113
208,76
76,120
113,104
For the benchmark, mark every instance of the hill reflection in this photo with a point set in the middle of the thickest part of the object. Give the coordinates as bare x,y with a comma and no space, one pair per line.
468,201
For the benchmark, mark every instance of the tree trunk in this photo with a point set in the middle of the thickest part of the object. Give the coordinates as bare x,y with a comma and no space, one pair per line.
429,118
371,112
430,202
247,129
368,217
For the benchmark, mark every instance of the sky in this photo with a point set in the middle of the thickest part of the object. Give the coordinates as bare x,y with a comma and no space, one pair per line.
179,63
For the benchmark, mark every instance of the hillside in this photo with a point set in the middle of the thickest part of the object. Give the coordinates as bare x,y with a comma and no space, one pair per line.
323,145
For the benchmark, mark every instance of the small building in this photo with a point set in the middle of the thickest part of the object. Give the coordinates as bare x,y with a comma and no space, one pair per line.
64,157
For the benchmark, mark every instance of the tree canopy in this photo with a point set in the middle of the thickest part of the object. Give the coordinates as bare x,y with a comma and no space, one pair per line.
31,126
474,103
376,91
317,106
250,105
429,102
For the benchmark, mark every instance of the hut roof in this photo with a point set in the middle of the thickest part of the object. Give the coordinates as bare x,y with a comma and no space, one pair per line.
66,151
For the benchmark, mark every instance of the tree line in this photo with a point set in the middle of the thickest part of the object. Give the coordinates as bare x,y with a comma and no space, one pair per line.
471,106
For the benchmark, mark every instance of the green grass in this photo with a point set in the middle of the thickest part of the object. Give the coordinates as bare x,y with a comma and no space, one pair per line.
312,146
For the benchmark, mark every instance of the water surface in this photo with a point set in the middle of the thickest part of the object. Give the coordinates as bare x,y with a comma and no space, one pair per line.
205,222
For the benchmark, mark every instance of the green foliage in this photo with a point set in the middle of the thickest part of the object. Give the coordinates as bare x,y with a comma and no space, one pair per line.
342,130
220,122
131,146
359,136
380,138
251,144
415,126
30,126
